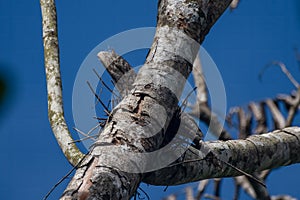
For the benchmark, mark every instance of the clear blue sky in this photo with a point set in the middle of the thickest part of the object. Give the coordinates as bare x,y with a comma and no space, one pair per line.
241,43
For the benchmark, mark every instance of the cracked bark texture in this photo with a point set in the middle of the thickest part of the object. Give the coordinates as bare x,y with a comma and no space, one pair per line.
181,26
123,75
137,125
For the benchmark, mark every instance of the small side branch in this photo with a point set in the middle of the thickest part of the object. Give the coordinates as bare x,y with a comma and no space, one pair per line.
292,103
234,4
283,69
199,81
201,109
123,74
119,69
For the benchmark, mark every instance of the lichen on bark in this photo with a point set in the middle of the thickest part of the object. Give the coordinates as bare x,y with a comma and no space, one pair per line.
54,86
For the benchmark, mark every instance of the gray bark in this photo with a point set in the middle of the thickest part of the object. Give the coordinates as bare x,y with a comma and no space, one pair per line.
54,88
181,26
256,153
140,124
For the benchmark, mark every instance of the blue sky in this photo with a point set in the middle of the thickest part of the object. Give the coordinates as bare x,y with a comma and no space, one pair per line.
241,43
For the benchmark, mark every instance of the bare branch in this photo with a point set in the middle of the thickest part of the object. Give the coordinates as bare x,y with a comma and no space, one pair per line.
293,108
257,110
156,86
243,182
201,188
201,108
199,82
278,119
104,84
261,192
54,87
211,120
171,197
119,69
244,121
106,110
217,187
189,193
284,70
234,4
249,155
259,114
122,72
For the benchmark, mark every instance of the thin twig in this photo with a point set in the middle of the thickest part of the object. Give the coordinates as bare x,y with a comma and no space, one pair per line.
189,193
278,118
145,193
283,69
100,118
81,132
199,80
236,191
293,109
105,85
106,110
217,187
65,177
87,135
184,102
86,138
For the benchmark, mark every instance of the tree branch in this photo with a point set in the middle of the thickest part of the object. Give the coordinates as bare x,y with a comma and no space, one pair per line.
54,88
201,108
256,153
153,100
123,75
119,69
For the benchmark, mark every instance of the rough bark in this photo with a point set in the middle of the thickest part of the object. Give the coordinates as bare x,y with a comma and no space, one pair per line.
181,26
123,75
140,124
119,69
256,153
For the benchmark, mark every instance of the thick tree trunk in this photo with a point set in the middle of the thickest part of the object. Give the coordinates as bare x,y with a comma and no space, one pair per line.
128,150
137,125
